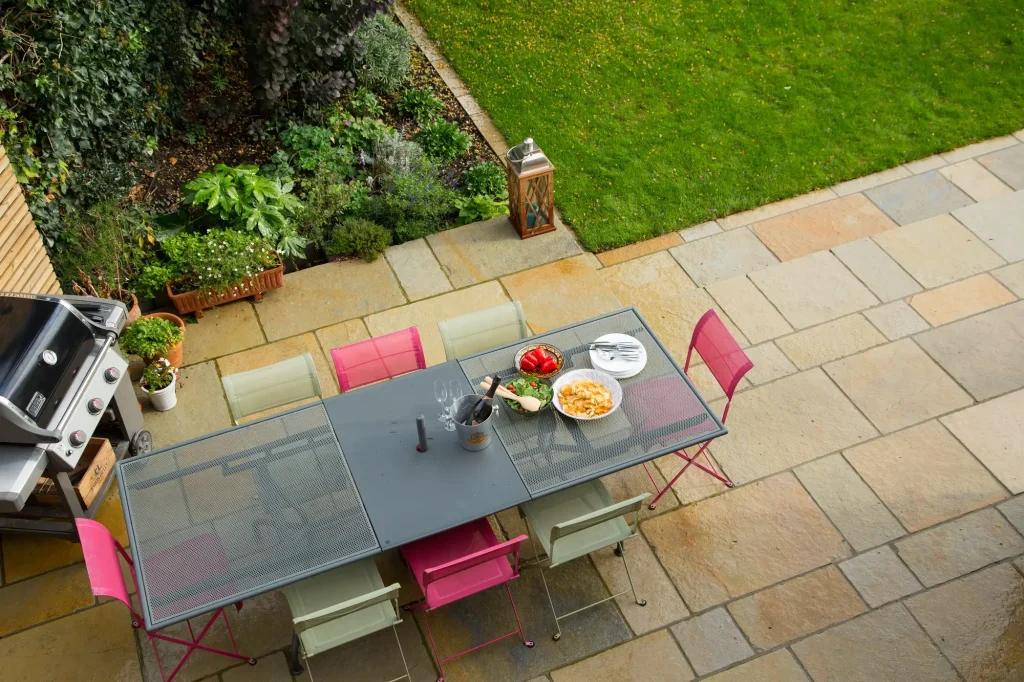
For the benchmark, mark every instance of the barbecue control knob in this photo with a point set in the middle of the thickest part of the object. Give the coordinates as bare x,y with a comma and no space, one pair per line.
77,438
49,357
111,375
95,406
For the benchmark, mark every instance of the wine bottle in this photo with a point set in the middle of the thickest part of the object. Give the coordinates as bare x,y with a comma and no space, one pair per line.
482,408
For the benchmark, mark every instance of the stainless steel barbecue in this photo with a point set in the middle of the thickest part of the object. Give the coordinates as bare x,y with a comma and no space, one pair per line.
62,380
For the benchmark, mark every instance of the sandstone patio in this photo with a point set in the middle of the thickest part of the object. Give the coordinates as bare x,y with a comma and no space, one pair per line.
875,529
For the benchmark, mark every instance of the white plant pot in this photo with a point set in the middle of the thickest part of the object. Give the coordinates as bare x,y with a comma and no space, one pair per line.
164,399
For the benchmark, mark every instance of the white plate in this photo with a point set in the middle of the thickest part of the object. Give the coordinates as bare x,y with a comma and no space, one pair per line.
618,368
603,378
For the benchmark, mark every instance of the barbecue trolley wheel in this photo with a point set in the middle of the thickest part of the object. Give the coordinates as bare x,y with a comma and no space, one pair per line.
142,442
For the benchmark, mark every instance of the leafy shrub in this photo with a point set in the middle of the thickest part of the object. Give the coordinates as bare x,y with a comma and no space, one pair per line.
304,51
485,178
364,103
393,153
242,199
158,374
213,262
412,203
357,133
150,336
105,249
480,207
421,105
358,237
278,167
312,147
386,58
324,205
443,141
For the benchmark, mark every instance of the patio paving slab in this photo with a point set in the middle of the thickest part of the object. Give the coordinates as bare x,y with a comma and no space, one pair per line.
830,341
938,251
897,385
985,353
723,256
879,576
692,234
778,208
692,486
873,266
730,545
492,248
282,350
644,248
654,658
851,505
663,603
793,609
770,364
1012,276
961,299
201,408
959,547
222,330
813,289
417,270
1007,165
865,650
424,315
752,313
821,227
95,645
994,432
481,617
327,294
874,180
272,668
896,320
561,293
666,298
999,223
375,657
918,197
788,422
778,666
341,334
979,148
1013,509
47,596
926,164
977,622
947,480
711,641
627,483
975,180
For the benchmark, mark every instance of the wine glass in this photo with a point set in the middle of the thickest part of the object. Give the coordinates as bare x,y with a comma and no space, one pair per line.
454,393
441,395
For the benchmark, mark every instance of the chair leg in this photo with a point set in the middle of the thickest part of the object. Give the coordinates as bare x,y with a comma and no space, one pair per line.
658,492
622,553
402,654
558,628
293,655
519,623
433,646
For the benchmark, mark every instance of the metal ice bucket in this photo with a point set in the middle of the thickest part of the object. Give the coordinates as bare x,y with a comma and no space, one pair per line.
472,437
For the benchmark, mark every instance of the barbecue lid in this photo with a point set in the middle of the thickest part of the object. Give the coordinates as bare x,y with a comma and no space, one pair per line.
44,342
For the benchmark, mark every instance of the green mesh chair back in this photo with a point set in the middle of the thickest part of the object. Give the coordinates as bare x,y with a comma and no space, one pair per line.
483,330
268,387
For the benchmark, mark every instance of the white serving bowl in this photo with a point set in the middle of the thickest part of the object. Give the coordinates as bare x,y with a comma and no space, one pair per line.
603,378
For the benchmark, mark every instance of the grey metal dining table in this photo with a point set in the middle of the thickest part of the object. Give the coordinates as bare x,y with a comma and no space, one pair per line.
249,509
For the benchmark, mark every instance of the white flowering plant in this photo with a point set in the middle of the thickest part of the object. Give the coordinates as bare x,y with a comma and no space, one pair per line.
158,375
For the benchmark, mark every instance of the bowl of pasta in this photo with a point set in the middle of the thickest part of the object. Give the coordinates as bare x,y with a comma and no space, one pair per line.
586,394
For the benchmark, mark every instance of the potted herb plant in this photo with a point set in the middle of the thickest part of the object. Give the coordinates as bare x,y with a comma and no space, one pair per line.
155,336
158,381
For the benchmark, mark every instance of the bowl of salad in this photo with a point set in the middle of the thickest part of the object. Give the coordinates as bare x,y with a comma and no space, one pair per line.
532,386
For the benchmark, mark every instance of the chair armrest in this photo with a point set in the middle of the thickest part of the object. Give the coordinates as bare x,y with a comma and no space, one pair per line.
346,607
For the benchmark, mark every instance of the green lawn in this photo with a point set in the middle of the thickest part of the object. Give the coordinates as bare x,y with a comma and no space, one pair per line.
660,114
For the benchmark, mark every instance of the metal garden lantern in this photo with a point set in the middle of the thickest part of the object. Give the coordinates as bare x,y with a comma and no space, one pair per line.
531,200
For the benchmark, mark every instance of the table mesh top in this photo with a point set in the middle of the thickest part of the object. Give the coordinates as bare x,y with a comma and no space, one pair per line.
659,412
240,512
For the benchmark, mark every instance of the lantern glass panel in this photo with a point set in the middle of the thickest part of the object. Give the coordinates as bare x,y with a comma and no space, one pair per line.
536,201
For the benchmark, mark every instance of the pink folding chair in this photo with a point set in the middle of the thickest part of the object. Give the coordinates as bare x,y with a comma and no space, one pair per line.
458,563
101,549
728,363
383,357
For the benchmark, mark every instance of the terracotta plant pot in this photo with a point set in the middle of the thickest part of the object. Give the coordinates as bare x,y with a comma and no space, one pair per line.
175,353
195,301
130,300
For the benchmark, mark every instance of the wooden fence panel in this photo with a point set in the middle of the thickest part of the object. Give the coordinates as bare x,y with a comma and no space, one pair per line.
24,265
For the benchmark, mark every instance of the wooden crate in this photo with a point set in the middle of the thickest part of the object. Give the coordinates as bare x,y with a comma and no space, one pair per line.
97,463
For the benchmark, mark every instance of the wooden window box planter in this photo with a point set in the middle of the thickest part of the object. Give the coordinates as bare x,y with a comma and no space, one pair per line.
196,301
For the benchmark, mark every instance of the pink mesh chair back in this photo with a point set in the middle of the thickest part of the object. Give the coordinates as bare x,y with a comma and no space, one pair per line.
383,357
101,551
720,352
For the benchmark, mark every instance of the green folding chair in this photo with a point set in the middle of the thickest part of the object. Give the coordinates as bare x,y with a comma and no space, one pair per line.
272,386
338,607
575,522
483,330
